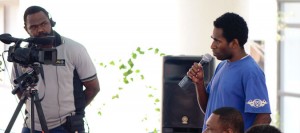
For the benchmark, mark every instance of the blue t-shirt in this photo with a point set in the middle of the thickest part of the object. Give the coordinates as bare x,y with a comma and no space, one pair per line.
240,84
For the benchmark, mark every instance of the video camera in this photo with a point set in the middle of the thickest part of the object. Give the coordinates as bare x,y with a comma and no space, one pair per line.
31,54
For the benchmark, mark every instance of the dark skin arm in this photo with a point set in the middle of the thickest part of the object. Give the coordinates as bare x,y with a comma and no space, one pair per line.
196,74
92,89
262,119
19,94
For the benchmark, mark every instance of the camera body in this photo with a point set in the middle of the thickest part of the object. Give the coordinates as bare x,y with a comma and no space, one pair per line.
32,54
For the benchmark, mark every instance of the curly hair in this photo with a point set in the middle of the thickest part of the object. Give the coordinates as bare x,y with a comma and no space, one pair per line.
263,129
230,118
32,10
234,27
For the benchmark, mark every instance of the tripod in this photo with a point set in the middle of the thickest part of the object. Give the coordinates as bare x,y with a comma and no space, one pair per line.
29,79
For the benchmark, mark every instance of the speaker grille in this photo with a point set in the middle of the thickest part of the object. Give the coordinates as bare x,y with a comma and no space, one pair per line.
180,109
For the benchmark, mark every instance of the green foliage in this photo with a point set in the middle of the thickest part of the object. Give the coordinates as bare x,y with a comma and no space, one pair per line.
115,96
99,112
130,73
155,130
1,69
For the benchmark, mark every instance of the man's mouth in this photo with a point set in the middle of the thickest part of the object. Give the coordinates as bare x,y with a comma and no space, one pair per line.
43,35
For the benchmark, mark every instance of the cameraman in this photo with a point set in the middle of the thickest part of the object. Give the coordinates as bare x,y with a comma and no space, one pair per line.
60,86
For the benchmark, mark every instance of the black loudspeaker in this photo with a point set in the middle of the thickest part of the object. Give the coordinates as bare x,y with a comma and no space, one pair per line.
180,109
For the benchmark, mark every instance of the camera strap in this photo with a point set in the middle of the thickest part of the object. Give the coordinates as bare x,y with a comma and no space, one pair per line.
41,71
42,74
17,75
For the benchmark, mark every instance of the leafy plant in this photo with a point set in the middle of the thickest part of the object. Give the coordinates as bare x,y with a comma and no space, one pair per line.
130,73
128,68
280,25
1,69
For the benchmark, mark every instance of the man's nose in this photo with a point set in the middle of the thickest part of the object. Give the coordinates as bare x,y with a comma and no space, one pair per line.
40,29
213,46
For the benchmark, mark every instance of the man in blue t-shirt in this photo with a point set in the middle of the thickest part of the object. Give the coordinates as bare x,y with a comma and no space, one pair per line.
238,80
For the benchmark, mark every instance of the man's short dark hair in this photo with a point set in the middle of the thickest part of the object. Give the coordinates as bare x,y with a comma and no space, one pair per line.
230,118
32,10
263,129
234,27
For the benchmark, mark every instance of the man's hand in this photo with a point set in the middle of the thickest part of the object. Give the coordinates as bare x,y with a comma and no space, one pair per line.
196,73
92,89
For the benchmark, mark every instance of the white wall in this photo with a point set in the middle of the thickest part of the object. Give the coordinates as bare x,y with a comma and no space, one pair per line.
8,24
177,27
196,22
1,22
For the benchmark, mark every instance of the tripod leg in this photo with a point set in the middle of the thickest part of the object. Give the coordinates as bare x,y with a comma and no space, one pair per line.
16,113
40,112
32,114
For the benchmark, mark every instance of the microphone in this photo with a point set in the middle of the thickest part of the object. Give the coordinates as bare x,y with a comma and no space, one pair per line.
186,81
7,39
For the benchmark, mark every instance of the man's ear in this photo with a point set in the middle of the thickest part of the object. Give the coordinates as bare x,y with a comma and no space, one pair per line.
234,44
228,130
25,28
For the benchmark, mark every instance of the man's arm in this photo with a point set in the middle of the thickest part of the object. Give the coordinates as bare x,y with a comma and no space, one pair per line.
262,119
196,74
19,94
91,89
201,96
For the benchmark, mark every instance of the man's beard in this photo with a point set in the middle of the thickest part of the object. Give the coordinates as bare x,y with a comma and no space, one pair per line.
225,56
46,34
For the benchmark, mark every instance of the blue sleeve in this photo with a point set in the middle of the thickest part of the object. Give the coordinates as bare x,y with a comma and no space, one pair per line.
256,94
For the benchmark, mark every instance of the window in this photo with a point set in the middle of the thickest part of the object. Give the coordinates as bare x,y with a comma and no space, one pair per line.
289,92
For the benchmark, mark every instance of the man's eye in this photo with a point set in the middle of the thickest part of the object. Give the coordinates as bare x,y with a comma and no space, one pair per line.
33,27
45,23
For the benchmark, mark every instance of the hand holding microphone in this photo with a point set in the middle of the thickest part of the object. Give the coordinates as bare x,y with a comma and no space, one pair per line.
196,71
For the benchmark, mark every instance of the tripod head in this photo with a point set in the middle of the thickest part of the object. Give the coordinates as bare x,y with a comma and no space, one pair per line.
28,79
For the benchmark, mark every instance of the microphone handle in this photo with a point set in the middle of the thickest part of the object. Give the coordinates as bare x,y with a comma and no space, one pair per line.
185,82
